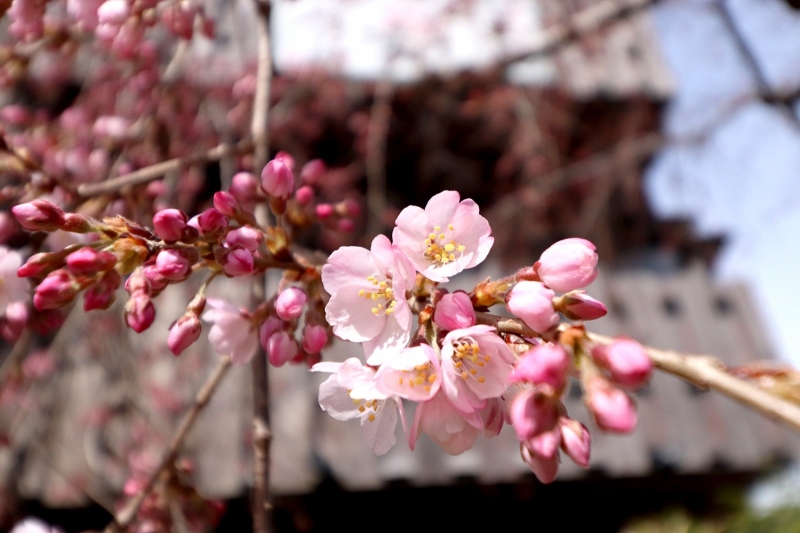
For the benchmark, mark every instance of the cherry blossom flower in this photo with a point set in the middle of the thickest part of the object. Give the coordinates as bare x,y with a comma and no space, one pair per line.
412,374
368,302
351,393
568,264
449,427
454,311
445,238
232,332
476,364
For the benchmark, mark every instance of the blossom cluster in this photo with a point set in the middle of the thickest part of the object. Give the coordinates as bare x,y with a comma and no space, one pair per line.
464,374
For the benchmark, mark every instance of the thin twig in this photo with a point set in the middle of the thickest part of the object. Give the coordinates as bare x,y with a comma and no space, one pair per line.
705,371
143,175
260,133
124,518
598,15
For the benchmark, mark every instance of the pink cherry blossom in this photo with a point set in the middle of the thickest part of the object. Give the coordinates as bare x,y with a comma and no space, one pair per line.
281,347
351,393
612,408
172,265
533,303
577,305
169,224
277,179
568,265
368,297
544,364
476,364
626,362
314,338
183,333
449,427
412,373
454,311
39,215
532,413
290,303
543,468
445,238
576,441
232,331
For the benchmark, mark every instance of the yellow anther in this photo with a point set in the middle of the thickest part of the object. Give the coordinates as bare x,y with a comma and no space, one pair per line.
383,284
464,375
375,310
438,257
361,292
374,295
437,228
371,417
427,389
458,364
473,371
450,227
432,237
441,236
390,310
419,380
461,247
481,363
400,380
449,247
432,378
445,259
361,408
481,379
452,257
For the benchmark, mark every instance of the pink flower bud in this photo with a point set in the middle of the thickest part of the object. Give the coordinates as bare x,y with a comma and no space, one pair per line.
39,215
237,262
226,203
56,290
102,294
626,361
113,12
172,265
155,281
246,236
244,187
568,265
290,302
77,223
211,221
314,338
38,265
544,364
576,441
324,211
85,262
268,327
545,444
169,224
139,311
454,311
313,171
277,179
544,469
531,414
533,303
612,408
280,348
577,305
287,159
183,333
304,195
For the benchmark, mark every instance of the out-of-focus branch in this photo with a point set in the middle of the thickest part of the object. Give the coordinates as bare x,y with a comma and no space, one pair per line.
262,507
143,175
598,15
375,158
705,371
125,517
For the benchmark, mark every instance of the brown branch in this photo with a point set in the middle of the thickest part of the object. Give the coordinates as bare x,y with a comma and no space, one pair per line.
124,517
705,371
375,158
143,175
600,14
262,508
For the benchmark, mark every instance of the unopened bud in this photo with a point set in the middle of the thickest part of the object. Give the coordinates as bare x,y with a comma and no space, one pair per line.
314,338
139,311
56,290
577,305
290,303
533,303
183,333
39,215
277,179
454,311
626,361
169,224
280,348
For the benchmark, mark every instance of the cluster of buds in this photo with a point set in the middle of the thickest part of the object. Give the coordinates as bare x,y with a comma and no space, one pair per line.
464,374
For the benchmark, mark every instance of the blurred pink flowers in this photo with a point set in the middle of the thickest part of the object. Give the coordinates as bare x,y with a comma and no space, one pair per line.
232,332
